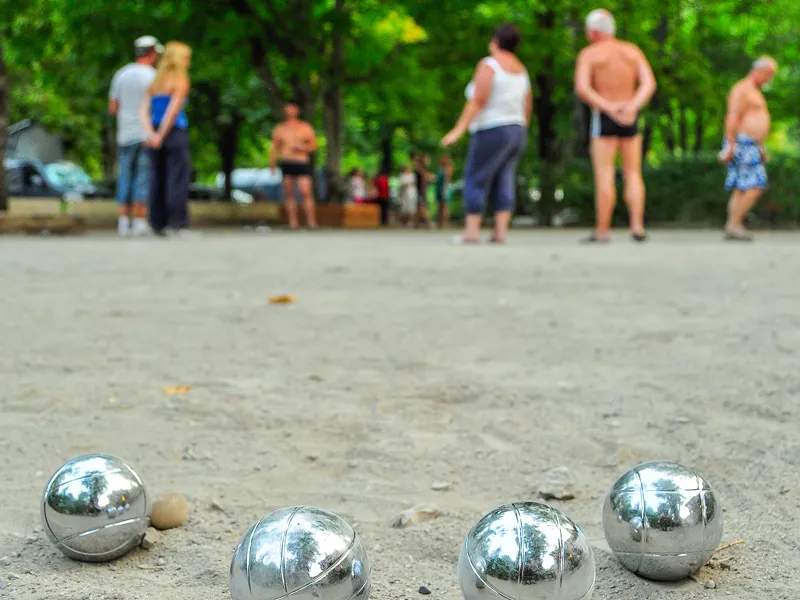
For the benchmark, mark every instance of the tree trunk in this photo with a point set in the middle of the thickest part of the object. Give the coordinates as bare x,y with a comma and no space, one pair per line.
545,110
109,149
3,129
669,137
228,147
699,132
683,131
647,140
334,108
657,105
582,114
386,152
582,120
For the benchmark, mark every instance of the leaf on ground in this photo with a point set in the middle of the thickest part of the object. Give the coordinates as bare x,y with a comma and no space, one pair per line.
177,390
282,300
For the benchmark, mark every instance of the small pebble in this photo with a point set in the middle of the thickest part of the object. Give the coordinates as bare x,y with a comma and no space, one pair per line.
13,576
711,584
557,484
151,538
2,584
416,515
160,562
31,539
215,505
682,420
170,510
5,561
440,486
424,590
352,464
312,457
784,490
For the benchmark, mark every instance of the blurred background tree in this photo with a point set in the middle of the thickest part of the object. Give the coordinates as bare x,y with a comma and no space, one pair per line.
379,80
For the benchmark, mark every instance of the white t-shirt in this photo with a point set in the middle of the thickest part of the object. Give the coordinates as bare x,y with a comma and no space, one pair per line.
128,87
358,189
506,104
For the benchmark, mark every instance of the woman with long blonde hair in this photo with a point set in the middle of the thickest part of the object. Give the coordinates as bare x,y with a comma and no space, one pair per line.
165,124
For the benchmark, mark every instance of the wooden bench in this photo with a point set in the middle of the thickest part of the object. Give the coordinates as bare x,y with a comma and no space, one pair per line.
102,214
37,224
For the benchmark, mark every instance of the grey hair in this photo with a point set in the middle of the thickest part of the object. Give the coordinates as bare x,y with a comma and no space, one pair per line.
602,21
765,63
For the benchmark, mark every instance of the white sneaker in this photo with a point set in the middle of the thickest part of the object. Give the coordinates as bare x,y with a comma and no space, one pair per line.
141,228
123,226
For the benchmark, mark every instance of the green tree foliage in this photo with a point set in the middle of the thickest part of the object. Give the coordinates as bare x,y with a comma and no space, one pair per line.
379,79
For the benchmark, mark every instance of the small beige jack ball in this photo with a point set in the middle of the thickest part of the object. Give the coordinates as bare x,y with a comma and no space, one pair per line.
169,510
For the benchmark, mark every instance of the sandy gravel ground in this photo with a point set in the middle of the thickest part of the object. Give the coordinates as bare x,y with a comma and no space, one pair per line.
404,361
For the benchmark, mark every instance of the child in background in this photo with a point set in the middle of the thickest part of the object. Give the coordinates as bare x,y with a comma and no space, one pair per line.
358,187
408,195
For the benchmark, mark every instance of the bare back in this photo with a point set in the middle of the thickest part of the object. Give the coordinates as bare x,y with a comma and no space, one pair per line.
295,140
614,69
749,107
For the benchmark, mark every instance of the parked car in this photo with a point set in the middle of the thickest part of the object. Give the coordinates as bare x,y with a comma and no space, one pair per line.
265,184
34,179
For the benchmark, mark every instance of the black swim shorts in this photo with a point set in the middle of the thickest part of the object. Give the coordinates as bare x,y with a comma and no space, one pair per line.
292,168
605,126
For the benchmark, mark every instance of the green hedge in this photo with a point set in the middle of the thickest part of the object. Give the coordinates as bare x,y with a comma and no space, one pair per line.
679,191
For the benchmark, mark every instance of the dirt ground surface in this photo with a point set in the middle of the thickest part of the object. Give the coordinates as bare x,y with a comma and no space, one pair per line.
403,362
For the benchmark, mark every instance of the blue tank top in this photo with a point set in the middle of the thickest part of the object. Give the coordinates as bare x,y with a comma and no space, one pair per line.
158,108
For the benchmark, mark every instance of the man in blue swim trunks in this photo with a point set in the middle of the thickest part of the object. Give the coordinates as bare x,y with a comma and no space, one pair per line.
746,127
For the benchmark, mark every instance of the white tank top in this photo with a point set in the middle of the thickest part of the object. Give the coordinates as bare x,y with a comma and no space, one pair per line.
506,104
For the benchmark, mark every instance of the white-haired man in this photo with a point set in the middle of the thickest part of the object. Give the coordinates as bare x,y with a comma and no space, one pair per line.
746,127
614,78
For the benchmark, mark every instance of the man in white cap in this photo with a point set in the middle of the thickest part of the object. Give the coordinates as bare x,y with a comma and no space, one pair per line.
746,127
614,78
128,88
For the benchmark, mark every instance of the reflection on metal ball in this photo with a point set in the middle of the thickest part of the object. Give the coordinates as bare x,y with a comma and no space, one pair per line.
528,551
95,508
307,552
662,521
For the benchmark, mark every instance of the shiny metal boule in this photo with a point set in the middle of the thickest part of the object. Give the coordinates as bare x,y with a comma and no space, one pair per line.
303,552
95,508
526,551
662,520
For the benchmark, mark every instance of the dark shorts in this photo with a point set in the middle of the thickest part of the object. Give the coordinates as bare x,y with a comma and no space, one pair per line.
605,126
291,168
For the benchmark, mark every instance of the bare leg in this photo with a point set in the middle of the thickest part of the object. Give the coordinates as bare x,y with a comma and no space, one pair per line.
739,205
444,217
604,151
631,151
472,228
289,201
309,208
422,214
501,219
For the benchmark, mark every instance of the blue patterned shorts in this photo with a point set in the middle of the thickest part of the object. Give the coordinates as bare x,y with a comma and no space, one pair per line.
746,171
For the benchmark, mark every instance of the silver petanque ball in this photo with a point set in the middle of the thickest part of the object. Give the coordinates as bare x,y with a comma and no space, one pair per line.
302,552
526,551
95,508
662,520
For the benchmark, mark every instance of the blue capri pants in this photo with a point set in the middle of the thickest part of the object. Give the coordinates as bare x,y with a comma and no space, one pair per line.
492,162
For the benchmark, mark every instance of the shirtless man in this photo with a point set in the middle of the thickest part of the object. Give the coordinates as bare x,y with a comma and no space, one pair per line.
293,141
746,128
606,77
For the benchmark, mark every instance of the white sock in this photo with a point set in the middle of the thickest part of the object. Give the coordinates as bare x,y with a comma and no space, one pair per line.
123,224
